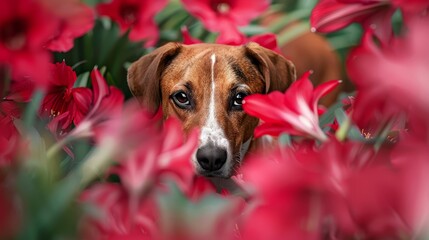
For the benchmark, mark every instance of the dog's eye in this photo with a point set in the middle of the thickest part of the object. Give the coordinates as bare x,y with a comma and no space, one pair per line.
237,101
181,100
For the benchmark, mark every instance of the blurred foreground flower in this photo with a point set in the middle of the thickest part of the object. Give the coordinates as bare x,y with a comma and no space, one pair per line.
139,205
137,16
25,26
76,19
9,136
333,15
393,80
340,191
294,112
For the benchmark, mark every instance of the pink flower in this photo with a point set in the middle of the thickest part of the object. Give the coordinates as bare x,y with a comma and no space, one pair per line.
62,97
342,190
135,15
9,137
75,19
225,16
107,102
119,217
164,154
332,15
11,219
20,90
294,112
25,27
267,40
289,203
161,156
392,80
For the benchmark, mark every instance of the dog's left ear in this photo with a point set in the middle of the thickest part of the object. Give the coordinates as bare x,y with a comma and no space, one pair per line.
277,71
144,75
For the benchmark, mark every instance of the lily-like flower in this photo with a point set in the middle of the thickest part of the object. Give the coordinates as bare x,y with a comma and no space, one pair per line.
165,154
332,15
266,40
135,15
159,156
392,80
76,19
344,189
9,136
107,102
117,218
225,16
25,27
294,112
62,97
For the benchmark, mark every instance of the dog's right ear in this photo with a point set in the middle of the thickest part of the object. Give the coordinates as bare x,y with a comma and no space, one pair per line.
144,75
277,71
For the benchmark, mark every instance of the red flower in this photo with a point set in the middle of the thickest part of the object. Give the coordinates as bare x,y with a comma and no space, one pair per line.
20,90
75,19
392,79
9,136
225,16
11,219
343,190
62,97
160,156
164,155
289,203
332,15
119,217
25,27
136,15
267,40
294,112
107,103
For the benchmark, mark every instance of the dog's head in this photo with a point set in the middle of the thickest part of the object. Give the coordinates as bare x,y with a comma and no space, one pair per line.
203,85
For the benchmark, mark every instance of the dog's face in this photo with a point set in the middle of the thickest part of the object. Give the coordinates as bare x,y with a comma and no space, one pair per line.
203,85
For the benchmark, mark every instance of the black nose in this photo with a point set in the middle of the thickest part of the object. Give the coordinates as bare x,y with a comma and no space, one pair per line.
211,158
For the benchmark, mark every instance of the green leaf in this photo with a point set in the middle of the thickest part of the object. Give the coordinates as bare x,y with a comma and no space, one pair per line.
346,129
329,116
82,80
178,214
253,30
170,10
285,140
30,113
293,32
291,17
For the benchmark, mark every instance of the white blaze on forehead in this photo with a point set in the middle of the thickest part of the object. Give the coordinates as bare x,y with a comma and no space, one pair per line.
211,132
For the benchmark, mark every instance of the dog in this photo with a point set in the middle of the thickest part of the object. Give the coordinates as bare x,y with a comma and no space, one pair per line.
203,85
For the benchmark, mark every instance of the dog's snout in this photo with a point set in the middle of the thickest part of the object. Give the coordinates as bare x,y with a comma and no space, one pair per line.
211,158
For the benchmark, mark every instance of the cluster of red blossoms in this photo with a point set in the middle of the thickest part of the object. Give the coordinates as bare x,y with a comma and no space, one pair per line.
355,172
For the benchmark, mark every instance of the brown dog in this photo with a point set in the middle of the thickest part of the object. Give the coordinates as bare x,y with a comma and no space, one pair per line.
203,85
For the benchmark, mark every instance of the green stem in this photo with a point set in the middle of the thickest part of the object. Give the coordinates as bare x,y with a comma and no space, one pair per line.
58,146
97,162
342,132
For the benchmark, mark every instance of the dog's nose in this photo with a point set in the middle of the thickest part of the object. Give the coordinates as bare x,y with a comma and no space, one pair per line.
211,158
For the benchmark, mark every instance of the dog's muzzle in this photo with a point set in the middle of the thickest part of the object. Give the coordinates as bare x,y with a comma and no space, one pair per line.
211,158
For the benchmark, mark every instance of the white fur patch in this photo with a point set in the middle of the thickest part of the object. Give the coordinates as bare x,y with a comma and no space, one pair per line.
211,132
